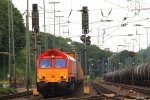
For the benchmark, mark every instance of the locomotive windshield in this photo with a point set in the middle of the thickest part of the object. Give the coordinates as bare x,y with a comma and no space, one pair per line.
60,63
45,63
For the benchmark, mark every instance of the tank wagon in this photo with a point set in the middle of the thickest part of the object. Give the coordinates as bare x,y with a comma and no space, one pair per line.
137,75
58,73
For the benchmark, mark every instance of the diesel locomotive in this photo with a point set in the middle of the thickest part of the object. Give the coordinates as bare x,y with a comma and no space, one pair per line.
58,73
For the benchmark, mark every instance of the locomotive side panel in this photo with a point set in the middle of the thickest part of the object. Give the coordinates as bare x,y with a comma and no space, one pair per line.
72,69
80,75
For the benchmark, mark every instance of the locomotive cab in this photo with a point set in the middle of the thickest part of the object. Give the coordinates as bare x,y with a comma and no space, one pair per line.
49,69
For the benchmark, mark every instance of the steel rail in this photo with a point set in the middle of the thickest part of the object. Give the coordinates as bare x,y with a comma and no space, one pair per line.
22,94
139,89
102,91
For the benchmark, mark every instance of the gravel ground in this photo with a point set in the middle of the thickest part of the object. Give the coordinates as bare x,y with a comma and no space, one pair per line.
121,91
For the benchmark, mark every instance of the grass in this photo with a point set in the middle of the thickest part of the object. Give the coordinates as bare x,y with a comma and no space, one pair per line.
7,91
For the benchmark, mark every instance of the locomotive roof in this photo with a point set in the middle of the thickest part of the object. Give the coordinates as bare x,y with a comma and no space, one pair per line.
55,52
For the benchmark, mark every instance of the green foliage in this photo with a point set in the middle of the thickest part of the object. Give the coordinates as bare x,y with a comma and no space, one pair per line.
144,55
19,28
19,33
122,59
21,62
7,91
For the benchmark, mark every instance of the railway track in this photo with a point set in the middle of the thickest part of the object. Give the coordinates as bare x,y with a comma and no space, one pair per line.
105,94
102,94
29,96
12,96
143,90
101,90
127,91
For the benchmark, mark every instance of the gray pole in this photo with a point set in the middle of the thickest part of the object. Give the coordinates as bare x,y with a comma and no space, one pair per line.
59,26
139,43
59,23
46,45
85,56
13,48
108,64
98,38
133,43
103,37
54,22
35,30
4,68
54,25
27,48
9,27
147,39
137,33
35,57
147,42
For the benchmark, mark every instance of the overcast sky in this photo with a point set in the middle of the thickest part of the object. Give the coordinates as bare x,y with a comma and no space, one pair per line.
123,16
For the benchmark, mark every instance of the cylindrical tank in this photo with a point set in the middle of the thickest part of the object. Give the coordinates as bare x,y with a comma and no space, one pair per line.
139,75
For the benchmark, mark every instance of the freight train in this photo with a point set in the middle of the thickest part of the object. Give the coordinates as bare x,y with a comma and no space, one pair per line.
58,73
137,75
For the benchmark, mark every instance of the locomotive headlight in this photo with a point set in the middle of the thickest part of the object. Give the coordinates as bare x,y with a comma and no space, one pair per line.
63,77
42,77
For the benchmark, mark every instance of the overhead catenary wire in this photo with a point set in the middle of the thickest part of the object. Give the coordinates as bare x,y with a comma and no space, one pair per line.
127,15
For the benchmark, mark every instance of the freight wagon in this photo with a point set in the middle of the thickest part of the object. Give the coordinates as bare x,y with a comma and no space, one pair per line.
135,75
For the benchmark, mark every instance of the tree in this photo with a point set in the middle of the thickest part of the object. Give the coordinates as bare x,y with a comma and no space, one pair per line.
18,26
19,29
